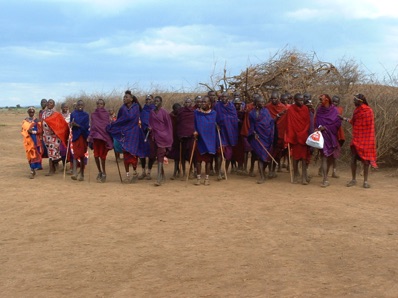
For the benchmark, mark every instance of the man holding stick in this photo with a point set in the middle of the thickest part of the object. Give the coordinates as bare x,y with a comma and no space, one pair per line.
227,121
261,134
206,134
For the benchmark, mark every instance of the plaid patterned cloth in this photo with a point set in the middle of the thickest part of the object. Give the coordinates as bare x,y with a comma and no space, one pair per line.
146,111
281,122
227,120
205,125
363,133
298,124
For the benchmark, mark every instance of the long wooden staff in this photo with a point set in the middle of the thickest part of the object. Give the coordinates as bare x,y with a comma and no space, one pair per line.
67,151
269,154
180,162
118,168
290,163
88,165
222,154
190,160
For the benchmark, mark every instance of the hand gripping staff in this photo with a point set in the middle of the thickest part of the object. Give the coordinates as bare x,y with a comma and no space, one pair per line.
190,160
222,152
261,144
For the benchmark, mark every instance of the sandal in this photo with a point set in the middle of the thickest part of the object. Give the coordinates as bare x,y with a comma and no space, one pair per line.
366,184
325,184
351,183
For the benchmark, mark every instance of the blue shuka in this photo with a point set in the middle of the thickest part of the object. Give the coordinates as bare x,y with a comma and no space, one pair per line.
146,111
227,120
82,118
263,125
126,130
205,125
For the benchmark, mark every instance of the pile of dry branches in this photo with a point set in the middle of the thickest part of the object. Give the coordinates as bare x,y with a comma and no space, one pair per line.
292,71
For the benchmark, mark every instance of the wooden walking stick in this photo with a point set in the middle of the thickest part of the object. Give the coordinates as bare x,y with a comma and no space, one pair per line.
67,152
190,160
88,166
180,162
290,163
222,154
118,168
269,154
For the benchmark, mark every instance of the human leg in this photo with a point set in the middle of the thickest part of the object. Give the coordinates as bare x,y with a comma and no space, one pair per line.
366,166
324,167
261,168
143,164
353,170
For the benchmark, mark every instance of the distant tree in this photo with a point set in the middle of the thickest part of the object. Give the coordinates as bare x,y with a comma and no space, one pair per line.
18,106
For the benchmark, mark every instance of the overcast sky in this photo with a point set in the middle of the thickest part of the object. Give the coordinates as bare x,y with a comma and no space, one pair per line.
56,48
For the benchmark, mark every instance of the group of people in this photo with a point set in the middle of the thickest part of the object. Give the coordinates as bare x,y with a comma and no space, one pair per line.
220,132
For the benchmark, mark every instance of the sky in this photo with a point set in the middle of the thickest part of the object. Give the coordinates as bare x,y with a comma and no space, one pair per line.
59,48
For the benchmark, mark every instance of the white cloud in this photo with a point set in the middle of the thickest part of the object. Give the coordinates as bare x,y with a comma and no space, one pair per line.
45,52
352,9
306,14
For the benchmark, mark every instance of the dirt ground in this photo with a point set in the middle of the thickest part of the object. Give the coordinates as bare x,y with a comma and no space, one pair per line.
235,238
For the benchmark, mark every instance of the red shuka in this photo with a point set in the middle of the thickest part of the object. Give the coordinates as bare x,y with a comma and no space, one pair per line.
363,134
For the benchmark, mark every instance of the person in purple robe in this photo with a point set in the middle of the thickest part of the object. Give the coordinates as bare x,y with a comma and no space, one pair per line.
126,130
185,129
100,139
206,135
227,124
144,117
162,135
175,153
328,122
261,134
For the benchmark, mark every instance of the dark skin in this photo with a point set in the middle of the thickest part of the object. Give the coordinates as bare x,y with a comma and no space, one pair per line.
327,161
51,163
299,101
177,162
206,105
259,103
148,101
100,163
31,114
224,99
354,157
128,102
158,104
275,101
213,97
79,107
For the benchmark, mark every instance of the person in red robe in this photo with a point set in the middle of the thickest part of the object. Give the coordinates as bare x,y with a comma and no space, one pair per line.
278,113
297,132
363,143
55,132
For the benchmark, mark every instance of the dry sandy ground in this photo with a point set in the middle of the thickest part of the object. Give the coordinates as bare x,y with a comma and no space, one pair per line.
64,238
